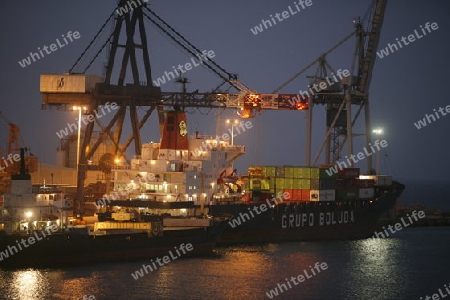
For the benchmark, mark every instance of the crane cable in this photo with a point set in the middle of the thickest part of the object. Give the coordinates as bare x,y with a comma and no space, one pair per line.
189,43
92,42
312,63
98,53
190,51
366,17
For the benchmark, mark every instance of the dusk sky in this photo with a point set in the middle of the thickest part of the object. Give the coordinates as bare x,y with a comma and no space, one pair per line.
406,85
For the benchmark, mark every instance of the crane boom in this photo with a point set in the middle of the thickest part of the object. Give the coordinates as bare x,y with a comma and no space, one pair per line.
249,104
373,33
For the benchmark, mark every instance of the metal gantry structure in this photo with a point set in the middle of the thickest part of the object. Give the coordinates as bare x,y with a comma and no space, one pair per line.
352,90
130,96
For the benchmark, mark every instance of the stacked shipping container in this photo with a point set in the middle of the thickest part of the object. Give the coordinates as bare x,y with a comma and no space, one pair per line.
299,183
314,183
350,186
347,185
322,185
296,183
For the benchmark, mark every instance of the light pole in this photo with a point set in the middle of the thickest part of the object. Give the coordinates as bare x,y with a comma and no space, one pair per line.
232,122
79,108
378,132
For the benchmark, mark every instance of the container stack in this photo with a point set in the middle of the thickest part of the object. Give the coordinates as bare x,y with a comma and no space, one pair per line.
366,188
300,183
323,183
350,186
315,183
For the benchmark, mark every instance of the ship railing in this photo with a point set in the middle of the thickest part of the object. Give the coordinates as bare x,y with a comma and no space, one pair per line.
121,167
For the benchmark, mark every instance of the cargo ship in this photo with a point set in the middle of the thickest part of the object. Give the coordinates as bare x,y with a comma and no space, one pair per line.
269,204
36,231
302,204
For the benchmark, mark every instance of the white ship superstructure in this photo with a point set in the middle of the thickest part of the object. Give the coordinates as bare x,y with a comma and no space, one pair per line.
178,168
27,209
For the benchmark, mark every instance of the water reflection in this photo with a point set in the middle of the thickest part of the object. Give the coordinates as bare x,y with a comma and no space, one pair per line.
28,284
377,260
407,266
49,284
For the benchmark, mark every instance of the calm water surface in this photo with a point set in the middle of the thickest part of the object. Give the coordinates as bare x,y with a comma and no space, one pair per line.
413,263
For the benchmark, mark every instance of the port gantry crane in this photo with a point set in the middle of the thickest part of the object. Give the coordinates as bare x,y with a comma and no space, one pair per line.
144,95
351,91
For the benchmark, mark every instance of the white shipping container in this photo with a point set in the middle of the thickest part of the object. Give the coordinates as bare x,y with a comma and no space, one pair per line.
322,195
65,83
380,180
366,193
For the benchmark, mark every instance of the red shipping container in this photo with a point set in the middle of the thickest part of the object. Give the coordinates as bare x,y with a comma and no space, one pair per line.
299,195
348,173
289,196
293,195
306,195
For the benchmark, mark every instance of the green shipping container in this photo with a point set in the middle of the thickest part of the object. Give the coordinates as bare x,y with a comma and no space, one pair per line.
323,184
297,172
289,183
305,184
315,173
272,182
297,184
280,184
349,194
306,173
269,171
321,173
302,172
289,172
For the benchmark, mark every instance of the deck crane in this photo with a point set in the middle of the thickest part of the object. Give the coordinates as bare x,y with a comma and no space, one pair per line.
137,94
353,91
